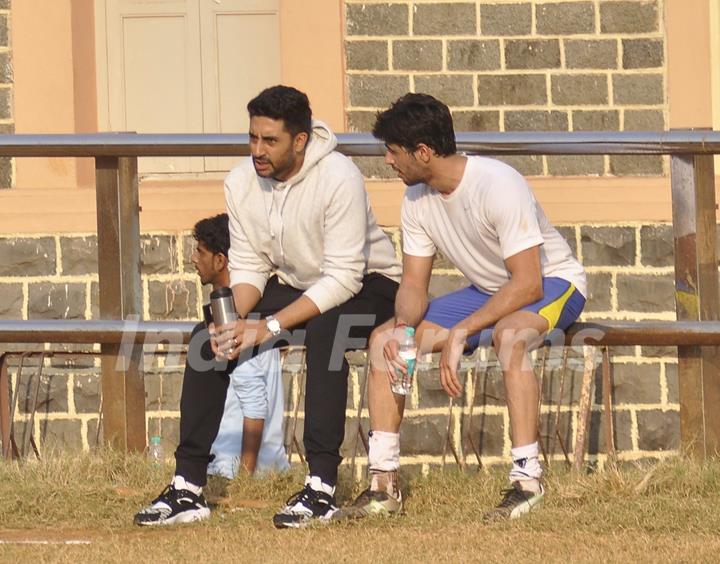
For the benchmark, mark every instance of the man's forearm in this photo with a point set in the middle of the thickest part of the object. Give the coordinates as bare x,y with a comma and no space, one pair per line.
246,297
410,304
297,313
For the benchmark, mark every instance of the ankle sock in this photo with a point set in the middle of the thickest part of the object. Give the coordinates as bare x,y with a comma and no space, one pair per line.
180,483
318,485
384,451
526,465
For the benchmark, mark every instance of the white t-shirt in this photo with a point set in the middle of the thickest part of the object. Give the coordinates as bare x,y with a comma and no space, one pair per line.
490,216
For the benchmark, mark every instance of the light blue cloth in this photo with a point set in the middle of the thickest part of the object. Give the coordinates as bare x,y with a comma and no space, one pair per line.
255,391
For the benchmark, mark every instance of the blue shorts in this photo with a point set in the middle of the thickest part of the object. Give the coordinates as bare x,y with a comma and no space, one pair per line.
561,305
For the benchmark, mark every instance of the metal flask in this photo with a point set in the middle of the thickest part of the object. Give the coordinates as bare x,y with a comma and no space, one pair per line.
223,307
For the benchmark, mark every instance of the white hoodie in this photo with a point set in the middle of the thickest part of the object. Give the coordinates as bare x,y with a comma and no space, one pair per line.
316,230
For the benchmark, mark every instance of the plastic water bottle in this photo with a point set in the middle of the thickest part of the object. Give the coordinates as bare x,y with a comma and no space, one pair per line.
156,454
408,352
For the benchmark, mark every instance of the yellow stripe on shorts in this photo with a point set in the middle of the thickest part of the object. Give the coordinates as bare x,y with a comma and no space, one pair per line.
553,311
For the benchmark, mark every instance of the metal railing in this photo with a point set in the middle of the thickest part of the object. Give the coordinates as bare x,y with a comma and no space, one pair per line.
697,332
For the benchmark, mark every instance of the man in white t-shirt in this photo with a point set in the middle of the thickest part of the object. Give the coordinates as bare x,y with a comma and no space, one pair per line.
481,214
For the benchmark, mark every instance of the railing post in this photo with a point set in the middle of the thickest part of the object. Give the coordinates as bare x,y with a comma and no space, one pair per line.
123,388
5,422
697,299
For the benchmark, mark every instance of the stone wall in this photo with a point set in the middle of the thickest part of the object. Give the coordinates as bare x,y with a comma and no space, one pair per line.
589,65
7,124
630,277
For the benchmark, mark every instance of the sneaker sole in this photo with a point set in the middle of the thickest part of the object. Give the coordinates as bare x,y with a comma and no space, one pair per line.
309,522
184,517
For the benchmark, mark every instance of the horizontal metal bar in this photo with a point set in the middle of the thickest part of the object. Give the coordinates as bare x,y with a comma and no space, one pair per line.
658,333
364,144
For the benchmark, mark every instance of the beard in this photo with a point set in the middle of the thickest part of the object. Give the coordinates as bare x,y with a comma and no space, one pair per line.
265,168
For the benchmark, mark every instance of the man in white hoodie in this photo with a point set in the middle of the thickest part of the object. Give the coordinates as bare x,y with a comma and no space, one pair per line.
308,263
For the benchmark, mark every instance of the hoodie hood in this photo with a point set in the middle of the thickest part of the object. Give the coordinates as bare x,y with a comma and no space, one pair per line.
322,142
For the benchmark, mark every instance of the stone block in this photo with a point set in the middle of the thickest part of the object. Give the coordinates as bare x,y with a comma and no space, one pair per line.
79,255
512,90
444,284
93,438
430,390
636,165
549,432
361,121
568,233
527,165
607,246
378,91
373,167
642,53
421,55
565,18
579,90
189,244
476,121
377,19
21,256
86,393
176,299
423,435
643,292
61,435
52,395
11,301
532,54
6,167
591,54
4,31
644,120
6,103
505,19
559,390
152,383
673,384
453,89
636,383
473,54
158,254
48,300
598,298
536,120
622,425
658,430
168,428
6,68
629,17
575,165
347,448
596,120
656,245
489,385
171,390
655,352
444,19
633,89
487,433
366,55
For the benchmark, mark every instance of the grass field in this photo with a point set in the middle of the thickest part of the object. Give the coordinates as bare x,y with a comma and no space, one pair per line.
669,511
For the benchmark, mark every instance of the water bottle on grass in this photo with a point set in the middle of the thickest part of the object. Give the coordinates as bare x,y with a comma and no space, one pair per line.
408,352
156,454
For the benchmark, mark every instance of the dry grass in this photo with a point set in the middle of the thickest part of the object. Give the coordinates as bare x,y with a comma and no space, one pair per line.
666,512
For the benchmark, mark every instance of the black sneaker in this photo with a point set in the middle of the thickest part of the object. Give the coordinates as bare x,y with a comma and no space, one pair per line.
173,506
306,506
515,502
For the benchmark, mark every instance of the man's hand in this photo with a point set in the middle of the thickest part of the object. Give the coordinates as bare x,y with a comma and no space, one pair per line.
450,359
231,339
394,362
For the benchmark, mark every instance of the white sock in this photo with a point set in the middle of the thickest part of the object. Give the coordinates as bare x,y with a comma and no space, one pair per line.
384,451
526,466
318,485
180,483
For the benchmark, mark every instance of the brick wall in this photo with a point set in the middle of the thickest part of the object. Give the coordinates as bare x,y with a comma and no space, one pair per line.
515,66
630,277
7,125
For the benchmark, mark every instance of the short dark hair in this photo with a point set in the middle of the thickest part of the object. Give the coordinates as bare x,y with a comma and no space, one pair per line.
285,103
214,233
417,118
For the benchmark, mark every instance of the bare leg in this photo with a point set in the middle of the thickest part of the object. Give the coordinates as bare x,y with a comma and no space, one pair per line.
252,437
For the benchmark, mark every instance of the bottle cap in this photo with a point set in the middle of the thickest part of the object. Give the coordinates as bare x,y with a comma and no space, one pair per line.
155,440
410,331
